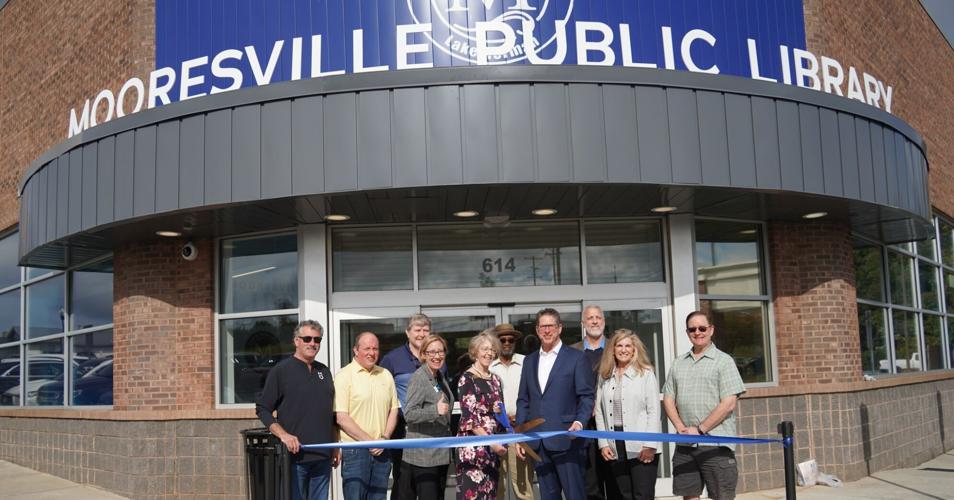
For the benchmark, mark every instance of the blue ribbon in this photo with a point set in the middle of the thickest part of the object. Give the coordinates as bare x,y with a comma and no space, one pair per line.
462,441
503,418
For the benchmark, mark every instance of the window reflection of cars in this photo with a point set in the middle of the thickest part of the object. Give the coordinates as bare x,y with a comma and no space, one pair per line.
903,365
95,387
251,369
41,371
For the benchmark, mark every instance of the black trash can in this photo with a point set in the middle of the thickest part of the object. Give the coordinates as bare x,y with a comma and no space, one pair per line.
268,466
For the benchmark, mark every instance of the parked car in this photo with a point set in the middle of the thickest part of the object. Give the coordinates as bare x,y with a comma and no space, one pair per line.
93,388
903,365
44,367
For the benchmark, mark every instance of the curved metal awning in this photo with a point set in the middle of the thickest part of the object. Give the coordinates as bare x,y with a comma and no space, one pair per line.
418,145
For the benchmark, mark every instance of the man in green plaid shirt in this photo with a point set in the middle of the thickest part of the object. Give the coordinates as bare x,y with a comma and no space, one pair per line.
699,397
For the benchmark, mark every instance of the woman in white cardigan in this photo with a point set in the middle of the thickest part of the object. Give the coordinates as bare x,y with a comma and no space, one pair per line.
628,400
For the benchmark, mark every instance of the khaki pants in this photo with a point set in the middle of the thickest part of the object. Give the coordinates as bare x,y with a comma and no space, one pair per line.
516,474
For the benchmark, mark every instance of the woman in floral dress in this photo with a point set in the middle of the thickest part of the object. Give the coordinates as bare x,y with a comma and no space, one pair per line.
480,395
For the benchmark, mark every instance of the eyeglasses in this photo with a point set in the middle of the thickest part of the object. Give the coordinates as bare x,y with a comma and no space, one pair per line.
702,329
508,340
547,327
435,354
308,338
487,349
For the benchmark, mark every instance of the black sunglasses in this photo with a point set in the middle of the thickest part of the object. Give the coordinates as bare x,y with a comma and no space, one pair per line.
702,329
308,338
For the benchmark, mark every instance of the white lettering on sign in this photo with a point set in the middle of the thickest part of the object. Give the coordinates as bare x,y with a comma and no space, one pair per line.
492,42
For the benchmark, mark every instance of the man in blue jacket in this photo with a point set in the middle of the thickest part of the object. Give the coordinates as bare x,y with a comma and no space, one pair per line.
557,385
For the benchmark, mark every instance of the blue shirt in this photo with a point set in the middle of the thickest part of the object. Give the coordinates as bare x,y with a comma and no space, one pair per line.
402,364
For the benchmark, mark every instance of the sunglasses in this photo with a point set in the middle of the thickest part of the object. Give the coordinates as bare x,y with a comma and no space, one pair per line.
508,340
307,339
702,329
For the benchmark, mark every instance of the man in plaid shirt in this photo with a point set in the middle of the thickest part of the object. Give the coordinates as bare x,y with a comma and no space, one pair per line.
699,397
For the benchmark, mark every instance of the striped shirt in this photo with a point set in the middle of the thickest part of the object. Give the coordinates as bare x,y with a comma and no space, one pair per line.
698,385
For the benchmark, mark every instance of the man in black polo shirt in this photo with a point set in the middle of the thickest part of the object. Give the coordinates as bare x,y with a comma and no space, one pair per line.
302,391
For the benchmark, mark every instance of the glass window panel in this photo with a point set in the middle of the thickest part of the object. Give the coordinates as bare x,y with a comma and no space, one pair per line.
906,247
44,365
9,375
728,258
647,324
950,334
259,273
624,252
92,296
869,273
36,272
901,279
907,354
249,348
92,356
933,343
926,249
947,243
372,259
44,304
741,332
10,316
927,279
471,256
949,290
9,272
526,324
874,347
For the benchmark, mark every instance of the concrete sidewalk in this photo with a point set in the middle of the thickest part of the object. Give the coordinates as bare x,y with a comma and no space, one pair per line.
931,480
20,483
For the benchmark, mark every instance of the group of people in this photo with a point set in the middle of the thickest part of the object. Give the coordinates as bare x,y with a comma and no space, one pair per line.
604,382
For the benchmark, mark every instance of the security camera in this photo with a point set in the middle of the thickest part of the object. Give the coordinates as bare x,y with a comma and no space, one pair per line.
189,251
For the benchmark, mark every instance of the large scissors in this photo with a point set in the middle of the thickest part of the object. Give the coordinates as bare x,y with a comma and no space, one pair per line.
500,413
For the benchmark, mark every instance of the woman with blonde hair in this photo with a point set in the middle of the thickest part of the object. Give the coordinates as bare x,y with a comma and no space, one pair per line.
628,401
428,415
480,394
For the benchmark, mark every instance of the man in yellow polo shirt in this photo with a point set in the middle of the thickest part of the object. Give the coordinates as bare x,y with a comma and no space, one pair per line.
366,408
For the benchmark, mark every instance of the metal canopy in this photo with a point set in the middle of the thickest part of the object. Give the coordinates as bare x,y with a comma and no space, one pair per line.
416,146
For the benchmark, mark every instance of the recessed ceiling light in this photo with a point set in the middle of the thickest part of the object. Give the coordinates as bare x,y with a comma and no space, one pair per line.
544,211
814,215
663,209
168,234
466,213
747,231
337,217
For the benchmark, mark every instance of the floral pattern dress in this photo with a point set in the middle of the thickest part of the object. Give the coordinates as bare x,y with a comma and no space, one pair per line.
477,466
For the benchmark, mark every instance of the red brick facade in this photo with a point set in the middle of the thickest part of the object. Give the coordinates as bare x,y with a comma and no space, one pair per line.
898,42
53,56
816,319
163,330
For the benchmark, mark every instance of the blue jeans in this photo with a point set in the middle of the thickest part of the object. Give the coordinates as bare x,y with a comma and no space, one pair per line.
311,478
365,476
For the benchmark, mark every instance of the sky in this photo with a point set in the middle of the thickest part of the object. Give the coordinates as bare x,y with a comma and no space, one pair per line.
942,11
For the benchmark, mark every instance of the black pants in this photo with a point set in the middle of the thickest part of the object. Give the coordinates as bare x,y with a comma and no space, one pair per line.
634,479
600,483
400,432
426,483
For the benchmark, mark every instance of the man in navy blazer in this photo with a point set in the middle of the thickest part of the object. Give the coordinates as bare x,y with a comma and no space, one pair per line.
557,385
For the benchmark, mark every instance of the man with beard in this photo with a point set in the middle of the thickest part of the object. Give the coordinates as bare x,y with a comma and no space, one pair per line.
515,473
402,362
301,390
599,476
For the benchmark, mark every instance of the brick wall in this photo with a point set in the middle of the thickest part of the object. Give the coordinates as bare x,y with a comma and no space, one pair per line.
53,56
163,333
816,319
896,41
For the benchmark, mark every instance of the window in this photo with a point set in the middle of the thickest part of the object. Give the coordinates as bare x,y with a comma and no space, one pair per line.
730,271
68,320
905,320
372,259
624,251
258,311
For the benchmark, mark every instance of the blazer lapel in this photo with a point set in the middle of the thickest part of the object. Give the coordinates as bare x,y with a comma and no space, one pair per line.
561,356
